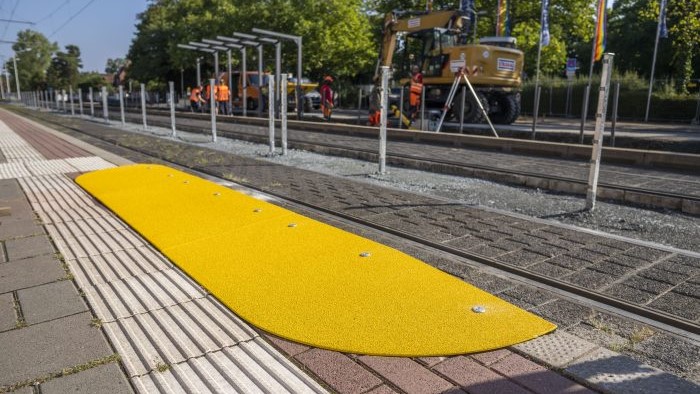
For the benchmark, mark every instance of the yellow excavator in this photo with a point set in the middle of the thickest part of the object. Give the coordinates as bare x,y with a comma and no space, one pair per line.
442,43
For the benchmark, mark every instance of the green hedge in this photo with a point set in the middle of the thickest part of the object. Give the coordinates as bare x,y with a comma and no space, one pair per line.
631,103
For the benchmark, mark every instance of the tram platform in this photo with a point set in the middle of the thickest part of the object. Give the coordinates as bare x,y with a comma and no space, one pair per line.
89,304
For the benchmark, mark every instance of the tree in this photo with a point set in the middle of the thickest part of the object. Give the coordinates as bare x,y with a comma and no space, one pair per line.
65,68
114,65
336,34
684,29
33,51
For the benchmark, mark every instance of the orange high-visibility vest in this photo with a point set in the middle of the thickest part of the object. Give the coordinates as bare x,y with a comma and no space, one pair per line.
416,89
194,95
222,93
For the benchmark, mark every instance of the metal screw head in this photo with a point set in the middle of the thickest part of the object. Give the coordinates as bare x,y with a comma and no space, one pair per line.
292,225
186,182
256,210
478,309
217,194
365,254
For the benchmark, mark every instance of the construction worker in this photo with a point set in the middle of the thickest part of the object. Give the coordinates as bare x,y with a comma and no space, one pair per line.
207,95
222,96
327,97
196,99
415,92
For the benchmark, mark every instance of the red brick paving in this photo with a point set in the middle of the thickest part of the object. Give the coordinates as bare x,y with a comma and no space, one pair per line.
499,371
50,146
476,378
339,371
407,374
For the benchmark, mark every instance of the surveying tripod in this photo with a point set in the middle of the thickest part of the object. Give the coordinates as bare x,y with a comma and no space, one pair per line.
450,97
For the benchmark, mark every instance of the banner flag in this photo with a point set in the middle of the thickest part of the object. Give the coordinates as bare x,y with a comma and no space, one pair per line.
663,29
600,30
545,23
503,18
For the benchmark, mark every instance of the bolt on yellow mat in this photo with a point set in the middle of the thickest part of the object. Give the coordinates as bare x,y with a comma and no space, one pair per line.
304,280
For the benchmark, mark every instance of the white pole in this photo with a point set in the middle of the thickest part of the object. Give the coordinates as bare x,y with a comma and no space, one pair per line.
80,100
14,62
92,103
244,81
587,93
599,129
536,103
278,70
230,84
260,80
653,62
70,97
382,121
283,110
121,104
105,110
63,99
199,72
171,84
212,109
143,106
271,114
299,97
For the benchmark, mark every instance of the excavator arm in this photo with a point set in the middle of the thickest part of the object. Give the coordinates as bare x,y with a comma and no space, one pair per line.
411,22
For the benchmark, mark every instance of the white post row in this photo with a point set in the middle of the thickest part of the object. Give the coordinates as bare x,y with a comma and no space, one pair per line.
382,121
121,104
271,113
105,110
80,100
283,111
143,106
70,97
171,85
212,108
92,103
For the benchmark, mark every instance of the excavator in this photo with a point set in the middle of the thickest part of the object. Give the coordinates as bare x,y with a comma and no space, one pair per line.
442,43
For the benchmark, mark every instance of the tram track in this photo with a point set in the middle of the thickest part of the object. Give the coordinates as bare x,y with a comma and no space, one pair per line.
660,319
688,203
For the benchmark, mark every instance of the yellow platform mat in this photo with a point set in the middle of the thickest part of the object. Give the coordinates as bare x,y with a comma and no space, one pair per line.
304,280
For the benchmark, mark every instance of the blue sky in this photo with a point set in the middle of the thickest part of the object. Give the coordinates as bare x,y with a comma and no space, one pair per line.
104,29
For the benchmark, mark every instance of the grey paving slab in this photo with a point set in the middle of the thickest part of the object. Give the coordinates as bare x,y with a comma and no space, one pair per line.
50,301
29,272
7,312
104,379
613,372
19,229
49,347
28,247
9,189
